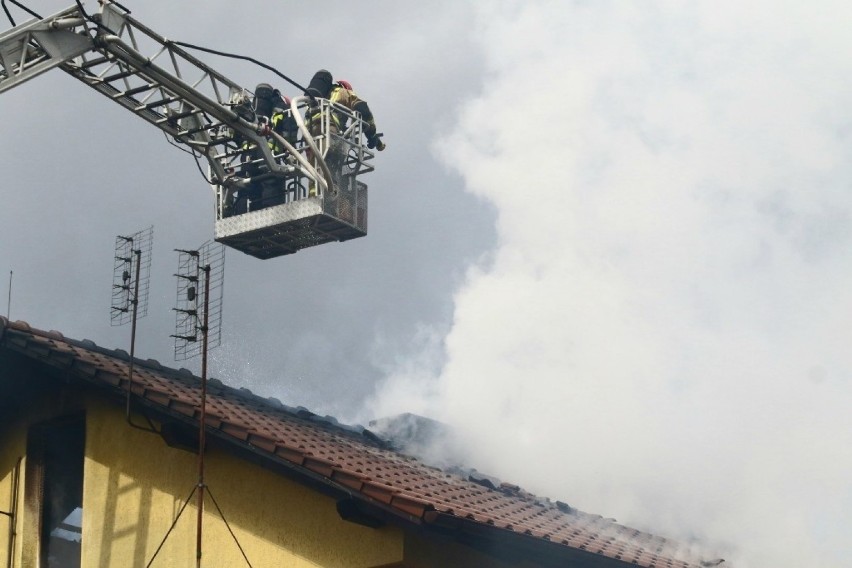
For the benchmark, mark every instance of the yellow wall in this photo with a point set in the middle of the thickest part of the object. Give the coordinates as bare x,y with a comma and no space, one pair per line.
12,446
135,485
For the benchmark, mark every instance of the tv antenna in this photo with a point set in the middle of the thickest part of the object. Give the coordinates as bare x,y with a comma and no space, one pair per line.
198,314
131,277
198,328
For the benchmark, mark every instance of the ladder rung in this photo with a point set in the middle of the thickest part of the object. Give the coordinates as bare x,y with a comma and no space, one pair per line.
211,141
93,62
161,102
122,75
179,115
229,154
134,91
192,131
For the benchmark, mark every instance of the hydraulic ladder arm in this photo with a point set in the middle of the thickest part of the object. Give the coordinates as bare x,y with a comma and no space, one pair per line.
200,108
146,73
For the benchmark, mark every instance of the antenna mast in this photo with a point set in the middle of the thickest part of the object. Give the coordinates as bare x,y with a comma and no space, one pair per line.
130,284
9,302
198,325
199,311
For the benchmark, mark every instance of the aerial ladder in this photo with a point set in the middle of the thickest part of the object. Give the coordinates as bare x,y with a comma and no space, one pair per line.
319,197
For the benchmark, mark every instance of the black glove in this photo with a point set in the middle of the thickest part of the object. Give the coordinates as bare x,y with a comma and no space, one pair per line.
376,142
370,131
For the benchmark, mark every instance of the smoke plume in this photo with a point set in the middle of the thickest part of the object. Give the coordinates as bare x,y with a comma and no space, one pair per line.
662,333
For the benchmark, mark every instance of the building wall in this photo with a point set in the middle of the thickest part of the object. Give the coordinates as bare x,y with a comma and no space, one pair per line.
12,446
35,404
135,486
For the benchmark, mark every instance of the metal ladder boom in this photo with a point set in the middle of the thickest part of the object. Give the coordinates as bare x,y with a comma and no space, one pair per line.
147,74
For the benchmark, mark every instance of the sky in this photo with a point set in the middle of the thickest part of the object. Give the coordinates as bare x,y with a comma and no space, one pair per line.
608,245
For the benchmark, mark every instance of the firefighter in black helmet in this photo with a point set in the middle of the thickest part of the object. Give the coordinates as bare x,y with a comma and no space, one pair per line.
270,109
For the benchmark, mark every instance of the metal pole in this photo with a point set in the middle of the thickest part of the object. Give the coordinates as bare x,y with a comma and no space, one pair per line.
135,302
202,417
13,513
9,302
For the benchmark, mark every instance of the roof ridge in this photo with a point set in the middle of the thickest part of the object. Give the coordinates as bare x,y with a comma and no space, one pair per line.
215,385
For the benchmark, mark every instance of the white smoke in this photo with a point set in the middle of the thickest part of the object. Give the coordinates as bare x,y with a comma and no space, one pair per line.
662,334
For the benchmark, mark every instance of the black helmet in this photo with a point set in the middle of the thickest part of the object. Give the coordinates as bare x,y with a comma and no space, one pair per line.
320,85
264,99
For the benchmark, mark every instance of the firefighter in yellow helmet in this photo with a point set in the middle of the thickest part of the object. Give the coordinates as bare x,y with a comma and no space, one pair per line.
341,92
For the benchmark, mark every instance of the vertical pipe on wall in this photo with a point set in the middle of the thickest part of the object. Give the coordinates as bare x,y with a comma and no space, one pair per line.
13,513
134,319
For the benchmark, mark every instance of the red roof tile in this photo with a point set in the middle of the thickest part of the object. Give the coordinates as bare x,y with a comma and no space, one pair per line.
352,460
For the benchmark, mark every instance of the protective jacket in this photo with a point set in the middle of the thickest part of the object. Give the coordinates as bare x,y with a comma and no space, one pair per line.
283,123
349,99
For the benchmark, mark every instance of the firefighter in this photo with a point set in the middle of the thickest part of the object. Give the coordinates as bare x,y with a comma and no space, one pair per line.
343,94
271,109
322,85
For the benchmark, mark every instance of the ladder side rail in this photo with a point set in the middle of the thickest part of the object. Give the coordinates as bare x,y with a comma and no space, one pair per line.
145,68
132,31
35,23
187,94
119,96
177,90
197,136
178,53
68,40
160,120
36,46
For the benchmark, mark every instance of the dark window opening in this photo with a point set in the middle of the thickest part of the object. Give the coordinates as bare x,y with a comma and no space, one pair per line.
55,465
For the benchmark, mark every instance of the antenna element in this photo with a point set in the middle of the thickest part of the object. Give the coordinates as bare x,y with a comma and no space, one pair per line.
131,276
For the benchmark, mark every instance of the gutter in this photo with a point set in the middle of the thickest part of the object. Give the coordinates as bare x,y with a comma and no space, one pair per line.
512,546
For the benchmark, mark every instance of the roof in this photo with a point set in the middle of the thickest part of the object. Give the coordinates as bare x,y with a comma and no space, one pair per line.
351,460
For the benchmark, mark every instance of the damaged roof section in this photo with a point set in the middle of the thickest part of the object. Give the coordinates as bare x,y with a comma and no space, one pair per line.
353,460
